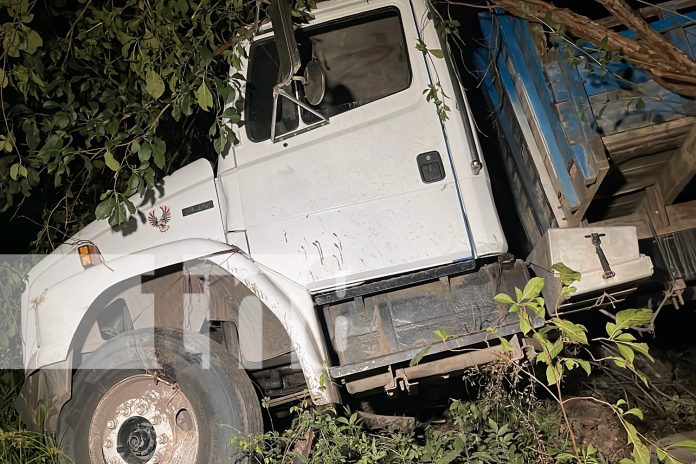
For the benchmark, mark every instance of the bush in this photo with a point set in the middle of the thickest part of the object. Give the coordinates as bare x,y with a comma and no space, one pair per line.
507,424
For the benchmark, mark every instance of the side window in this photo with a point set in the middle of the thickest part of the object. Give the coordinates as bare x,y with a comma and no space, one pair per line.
364,58
262,76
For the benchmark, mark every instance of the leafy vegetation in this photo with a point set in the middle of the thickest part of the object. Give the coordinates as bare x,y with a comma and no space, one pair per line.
101,98
561,342
500,427
99,101
509,422
17,445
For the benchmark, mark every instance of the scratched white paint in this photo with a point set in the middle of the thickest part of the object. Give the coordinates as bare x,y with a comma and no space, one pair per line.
345,203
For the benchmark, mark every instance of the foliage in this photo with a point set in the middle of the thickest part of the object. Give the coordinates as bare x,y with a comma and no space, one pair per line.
97,111
508,423
487,430
561,342
17,445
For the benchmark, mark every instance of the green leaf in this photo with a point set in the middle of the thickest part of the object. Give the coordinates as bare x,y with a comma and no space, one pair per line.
687,444
504,344
533,288
639,347
4,81
625,337
641,453
104,209
661,454
144,151
130,206
525,323
573,332
633,318
585,365
537,307
419,356
204,97
158,156
556,348
504,298
14,171
441,334
111,162
118,215
493,425
553,374
220,143
34,41
635,412
436,52
566,274
154,85
626,352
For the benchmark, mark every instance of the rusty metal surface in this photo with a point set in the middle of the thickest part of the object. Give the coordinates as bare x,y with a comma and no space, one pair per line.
50,387
373,330
165,430
401,378
675,254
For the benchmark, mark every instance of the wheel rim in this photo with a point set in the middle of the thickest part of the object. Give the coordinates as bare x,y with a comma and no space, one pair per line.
143,420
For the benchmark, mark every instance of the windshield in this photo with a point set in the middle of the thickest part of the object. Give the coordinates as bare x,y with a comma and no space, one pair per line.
364,58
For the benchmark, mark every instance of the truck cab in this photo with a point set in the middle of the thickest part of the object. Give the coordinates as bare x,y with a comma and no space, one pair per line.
369,182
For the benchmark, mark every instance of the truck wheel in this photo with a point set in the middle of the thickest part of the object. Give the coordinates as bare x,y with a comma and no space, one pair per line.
121,412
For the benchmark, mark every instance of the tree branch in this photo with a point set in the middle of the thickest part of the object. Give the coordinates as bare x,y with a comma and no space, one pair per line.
666,63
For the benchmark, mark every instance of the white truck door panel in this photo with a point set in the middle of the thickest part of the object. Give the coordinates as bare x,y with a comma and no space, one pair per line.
347,201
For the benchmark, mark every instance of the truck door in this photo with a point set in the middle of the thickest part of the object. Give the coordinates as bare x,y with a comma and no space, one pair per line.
371,192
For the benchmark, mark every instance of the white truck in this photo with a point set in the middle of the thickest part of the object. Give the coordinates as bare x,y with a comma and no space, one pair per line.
348,224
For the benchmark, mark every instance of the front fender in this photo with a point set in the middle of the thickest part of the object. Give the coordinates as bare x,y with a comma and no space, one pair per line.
294,308
54,313
57,311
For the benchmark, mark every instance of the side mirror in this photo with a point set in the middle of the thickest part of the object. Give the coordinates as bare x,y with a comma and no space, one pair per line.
288,52
289,64
314,83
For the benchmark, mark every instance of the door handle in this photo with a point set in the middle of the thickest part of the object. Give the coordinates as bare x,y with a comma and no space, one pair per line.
430,167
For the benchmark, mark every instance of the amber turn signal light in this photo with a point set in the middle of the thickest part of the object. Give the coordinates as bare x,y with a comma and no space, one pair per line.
89,255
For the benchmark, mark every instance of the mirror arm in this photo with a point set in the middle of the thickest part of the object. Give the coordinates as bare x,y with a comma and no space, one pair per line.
274,114
279,92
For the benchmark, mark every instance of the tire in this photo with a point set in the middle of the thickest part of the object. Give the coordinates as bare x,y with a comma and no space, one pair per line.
148,396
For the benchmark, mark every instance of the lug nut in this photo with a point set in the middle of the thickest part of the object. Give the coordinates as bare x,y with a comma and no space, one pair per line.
107,443
111,424
162,439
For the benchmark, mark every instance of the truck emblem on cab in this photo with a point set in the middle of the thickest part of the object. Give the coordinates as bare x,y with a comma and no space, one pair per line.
160,222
